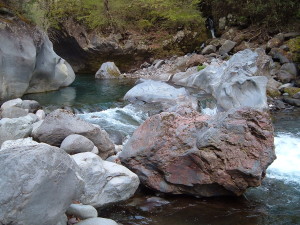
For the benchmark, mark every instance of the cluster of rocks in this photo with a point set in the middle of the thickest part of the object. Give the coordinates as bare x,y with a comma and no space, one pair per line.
48,162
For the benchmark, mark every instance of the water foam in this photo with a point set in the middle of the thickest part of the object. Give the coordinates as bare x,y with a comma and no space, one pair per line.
287,165
123,120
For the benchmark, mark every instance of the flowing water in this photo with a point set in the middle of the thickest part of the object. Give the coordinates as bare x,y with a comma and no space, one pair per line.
277,201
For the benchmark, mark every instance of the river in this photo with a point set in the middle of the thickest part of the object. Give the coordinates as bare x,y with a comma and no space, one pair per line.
277,201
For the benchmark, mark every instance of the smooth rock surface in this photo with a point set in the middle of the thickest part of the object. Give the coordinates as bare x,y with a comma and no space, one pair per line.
202,155
61,123
38,184
82,211
209,49
28,63
105,182
226,47
97,221
17,143
76,143
235,83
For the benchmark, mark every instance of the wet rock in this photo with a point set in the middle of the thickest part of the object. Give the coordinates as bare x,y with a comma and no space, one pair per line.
108,70
239,82
47,184
61,123
226,47
97,221
202,155
82,211
16,128
75,143
105,182
209,49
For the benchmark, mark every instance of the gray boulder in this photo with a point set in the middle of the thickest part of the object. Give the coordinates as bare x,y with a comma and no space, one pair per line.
151,91
16,128
97,221
61,123
226,47
235,83
82,211
75,143
47,183
28,63
17,143
105,182
108,70
290,68
13,112
209,49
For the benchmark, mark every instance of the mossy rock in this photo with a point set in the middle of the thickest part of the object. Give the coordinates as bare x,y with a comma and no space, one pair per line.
291,90
273,93
294,45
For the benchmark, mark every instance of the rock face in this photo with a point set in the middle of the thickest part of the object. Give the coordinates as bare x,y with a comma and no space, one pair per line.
105,182
201,155
38,183
236,83
108,70
28,63
61,123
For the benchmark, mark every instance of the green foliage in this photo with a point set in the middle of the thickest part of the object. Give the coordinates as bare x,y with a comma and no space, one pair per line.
117,14
200,67
267,12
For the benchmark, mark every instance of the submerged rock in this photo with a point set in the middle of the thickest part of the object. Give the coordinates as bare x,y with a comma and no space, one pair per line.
28,62
38,183
105,182
61,123
201,155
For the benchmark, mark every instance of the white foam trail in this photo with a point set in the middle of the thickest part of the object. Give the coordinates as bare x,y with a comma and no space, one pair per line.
287,165
209,111
125,120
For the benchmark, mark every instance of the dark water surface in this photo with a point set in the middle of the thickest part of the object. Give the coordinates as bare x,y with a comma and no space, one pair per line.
277,201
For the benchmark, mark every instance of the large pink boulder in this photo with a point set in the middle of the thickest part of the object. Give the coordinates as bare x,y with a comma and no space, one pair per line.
189,153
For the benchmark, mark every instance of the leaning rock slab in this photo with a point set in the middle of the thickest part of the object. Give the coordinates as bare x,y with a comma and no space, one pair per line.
105,182
38,183
108,70
61,123
202,155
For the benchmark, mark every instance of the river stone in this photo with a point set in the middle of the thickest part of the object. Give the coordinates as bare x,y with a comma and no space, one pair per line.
236,83
226,47
108,70
105,182
61,123
14,102
28,63
290,68
75,143
16,128
209,49
97,221
40,114
47,183
82,211
202,155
